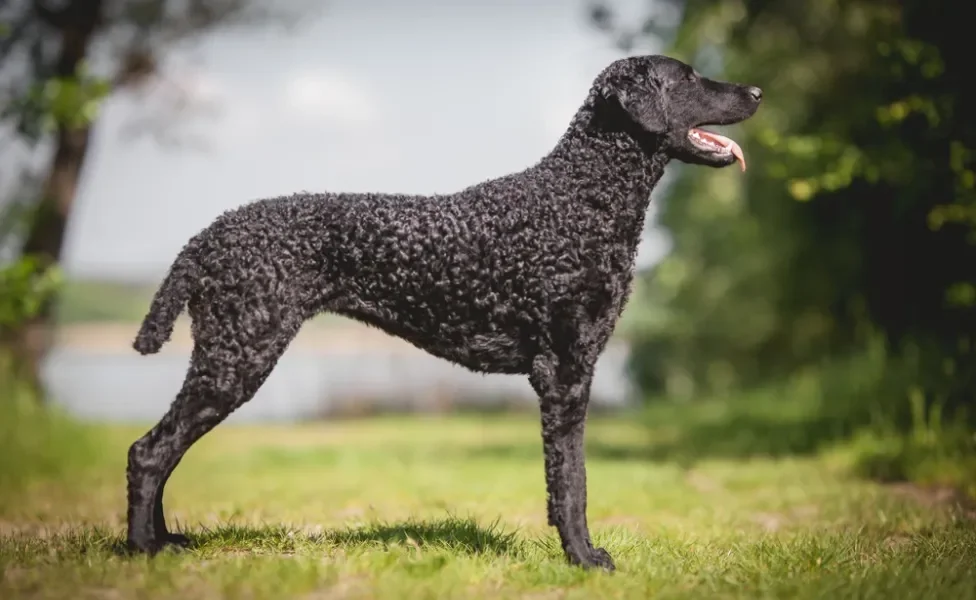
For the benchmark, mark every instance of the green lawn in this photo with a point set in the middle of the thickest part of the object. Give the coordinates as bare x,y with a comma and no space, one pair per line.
441,507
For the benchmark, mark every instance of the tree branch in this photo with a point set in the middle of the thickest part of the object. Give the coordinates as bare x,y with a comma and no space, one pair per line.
137,65
57,19
16,31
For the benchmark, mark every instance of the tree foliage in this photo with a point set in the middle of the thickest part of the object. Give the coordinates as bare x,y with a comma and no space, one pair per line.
857,216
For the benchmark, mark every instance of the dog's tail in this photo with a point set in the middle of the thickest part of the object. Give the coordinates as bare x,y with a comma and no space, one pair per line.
167,304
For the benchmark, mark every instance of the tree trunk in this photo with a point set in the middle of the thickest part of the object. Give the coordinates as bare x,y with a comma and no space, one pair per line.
76,23
46,239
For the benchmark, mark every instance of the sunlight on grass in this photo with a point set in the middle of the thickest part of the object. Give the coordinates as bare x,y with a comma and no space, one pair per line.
455,507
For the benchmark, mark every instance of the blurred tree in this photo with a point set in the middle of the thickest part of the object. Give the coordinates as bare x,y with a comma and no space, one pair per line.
49,94
858,214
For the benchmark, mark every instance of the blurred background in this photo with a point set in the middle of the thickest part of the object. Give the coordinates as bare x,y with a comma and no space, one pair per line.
825,296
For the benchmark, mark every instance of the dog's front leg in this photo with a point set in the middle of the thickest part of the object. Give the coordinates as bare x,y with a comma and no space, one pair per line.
564,405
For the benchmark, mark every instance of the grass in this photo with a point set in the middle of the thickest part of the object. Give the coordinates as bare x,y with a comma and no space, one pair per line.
934,452
868,401
453,507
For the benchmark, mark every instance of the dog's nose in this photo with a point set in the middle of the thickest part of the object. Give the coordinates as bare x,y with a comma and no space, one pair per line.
756,93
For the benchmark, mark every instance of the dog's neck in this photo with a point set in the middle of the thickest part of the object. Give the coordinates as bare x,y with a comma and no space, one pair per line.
612,164
610,151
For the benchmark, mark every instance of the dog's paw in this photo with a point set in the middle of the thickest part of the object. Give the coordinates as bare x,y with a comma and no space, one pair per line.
601,558
147,547
154,546
177,540
594,558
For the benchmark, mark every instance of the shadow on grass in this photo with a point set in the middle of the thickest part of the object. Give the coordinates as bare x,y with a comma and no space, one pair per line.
456,535
464,536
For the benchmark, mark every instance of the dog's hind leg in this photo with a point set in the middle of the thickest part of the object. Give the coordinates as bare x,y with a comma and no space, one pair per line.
225,372
159,521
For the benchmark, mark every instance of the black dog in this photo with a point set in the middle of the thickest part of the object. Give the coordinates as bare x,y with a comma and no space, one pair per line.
527,274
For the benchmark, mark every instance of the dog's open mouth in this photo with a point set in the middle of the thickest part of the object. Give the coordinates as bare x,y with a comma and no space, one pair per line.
719,144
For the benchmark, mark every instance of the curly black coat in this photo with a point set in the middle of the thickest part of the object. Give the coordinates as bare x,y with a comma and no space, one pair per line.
526,274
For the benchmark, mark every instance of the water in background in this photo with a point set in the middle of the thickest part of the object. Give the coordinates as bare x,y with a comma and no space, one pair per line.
123,386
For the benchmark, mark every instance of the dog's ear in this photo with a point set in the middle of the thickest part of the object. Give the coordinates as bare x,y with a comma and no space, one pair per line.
644,103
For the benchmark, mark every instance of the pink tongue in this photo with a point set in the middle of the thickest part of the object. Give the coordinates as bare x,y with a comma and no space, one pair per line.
726,143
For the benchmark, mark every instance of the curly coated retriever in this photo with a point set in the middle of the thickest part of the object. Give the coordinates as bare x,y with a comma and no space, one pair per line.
527,274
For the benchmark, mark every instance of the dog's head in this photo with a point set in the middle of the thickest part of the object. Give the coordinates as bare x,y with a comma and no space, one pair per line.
667,98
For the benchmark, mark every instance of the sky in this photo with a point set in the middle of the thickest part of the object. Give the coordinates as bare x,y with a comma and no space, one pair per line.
408,96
